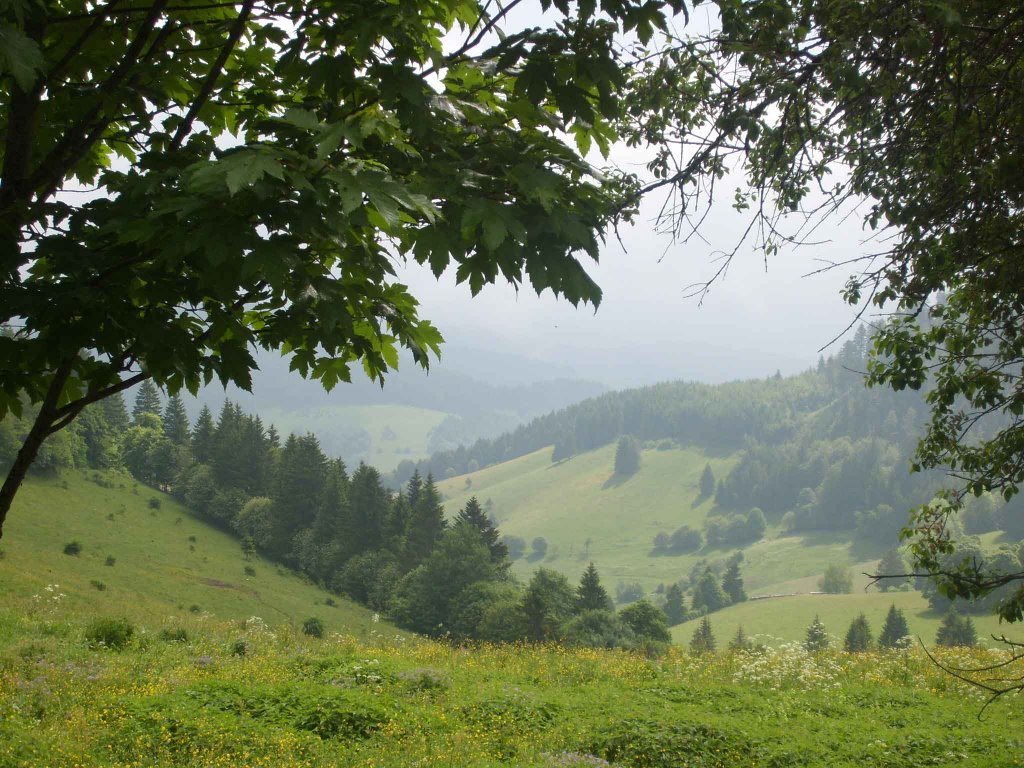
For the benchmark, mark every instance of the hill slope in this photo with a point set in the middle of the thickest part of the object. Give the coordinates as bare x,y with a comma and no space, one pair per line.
165,563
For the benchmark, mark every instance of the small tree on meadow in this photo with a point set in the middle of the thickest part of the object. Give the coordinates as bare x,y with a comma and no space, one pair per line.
540,547
816,638
956,630
836,580
892,563
708,595
707,482
590,595
895,629
675,610
740,641
732,582
646,621
703,640
858,636
627,456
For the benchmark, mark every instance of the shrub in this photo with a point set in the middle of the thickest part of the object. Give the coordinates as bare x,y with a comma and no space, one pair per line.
110,560
174,635
109,633
250,571
154,502
313,627
836,580
330,601
110,516
97,585
192,539
72,548
239,648
194,608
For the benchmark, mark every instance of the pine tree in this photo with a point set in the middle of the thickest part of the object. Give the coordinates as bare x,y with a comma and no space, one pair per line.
732,582
858,636
674,608
296,490
474,515
627,456
956,630
369,505
175,421
895,629
707,482
817,638
740,641
892,562
202,437
708,595
703,640
147,400
426,522
590,595
114,412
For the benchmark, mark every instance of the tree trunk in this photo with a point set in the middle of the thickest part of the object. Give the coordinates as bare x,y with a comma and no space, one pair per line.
30,447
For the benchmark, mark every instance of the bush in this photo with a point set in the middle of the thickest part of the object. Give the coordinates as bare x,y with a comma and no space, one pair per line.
72,548
110,560
330,601
836,580
174,635
97,585
250,571
239,648
194,608
109,633
313,627
154,502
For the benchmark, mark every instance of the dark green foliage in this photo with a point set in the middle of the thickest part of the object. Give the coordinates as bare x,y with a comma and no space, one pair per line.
72,548
836,580
956,630
894,631
628,592
646,621
313,627
858,636
732,582
147,401
590,595
474,515
109,633
598,628
488,610
707,482
708,595
675,609
650,744
154,502
203,437
817,638
426,520
110,560
369,578
892,563
516,546
685,539
540,548
174,635
175,421
548,604
703,640
740,641
627,456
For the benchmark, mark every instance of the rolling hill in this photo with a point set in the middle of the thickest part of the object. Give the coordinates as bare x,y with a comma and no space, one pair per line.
144,556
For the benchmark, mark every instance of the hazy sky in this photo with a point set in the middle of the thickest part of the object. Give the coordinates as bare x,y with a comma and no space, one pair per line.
753,322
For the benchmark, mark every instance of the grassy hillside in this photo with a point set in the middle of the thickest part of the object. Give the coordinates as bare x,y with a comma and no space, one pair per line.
395,432
166,564
292,701
785,619
572,501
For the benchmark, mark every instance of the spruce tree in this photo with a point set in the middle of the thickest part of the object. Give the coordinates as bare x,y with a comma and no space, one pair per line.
707,482
426,522
115,413
892,562
703,640
956,630
202,437
708,595
627,456
740,641
817,638
675,610
474,515
296,490
894,630
590,595
732,582
858,636
147,400
175,421
368,509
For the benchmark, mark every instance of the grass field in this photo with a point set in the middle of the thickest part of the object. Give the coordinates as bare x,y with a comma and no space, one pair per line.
192,699
785,619
165,563
397,432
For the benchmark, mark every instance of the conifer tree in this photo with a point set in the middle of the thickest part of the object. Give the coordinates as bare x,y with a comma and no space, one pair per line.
115,413
732,582
708,595
894,629
858,636
740,641
296,490
426,522
273,437
202,437
147,400
892,563
707,482
956,630
703,640
675,610
590,595
175,421
368,503
627,456
816,638
474,515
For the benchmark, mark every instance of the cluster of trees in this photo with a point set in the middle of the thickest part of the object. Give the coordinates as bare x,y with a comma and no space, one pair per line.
711,588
